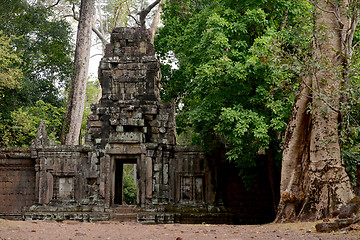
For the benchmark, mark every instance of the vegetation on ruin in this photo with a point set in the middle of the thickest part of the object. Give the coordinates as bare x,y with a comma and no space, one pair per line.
239,69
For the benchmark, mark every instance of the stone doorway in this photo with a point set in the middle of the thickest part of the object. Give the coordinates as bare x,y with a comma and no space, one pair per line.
125,182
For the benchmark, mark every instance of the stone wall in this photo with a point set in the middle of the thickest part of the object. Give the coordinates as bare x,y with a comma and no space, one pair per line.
17,181
191,182
64,173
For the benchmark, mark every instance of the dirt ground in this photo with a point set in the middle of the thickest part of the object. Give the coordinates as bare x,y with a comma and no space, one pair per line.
70,230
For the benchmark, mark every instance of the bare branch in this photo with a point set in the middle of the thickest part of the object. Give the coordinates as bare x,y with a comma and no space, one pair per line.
54,4
145,12
97,32
65,16
74,13
356,44
320,8
100,33
98,54
354,23
134,18
336,13
321,97
100,36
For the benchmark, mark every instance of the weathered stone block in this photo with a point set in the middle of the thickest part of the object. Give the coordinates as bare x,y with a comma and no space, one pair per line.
164,117
149,117
126,137
157,167
149,171
120,128
156,177
149,110
165,173
114,121
150,153
102,189
165,194
94,159
124,148
137,115
162,130
132,122
153,123
154,130
156,188
104,65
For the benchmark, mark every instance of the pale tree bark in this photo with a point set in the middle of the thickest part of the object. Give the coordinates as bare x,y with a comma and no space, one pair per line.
313,180
99,32
155,22
144,12
77,92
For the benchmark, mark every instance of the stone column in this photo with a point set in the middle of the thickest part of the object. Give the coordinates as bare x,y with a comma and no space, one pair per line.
149,177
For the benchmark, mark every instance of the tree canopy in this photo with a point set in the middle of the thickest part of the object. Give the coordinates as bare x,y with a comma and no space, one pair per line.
38,61
227,83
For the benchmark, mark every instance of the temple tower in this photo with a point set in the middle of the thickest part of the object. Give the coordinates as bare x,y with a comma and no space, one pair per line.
130,124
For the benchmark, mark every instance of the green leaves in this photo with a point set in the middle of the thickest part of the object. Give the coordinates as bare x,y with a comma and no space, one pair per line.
351,157
9,62
43,43
129,187
35,66
22,127
233,86
239,125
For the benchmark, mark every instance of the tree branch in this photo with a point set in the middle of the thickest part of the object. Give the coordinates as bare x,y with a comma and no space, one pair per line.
54,4
134,18
320,8
74,13
145,12
321,96
97,32
100,36
98,54
328,11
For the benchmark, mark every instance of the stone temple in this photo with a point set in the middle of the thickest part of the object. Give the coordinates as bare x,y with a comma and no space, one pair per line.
129,125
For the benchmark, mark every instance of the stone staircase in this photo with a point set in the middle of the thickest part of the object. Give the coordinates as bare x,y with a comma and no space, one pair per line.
124,213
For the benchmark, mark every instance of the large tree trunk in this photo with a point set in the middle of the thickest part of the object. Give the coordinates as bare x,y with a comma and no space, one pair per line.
313,180
77,92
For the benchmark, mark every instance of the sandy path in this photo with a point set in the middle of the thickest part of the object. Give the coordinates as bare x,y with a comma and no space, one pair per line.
70,230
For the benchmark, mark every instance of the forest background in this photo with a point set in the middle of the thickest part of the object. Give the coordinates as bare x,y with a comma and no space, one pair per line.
234,69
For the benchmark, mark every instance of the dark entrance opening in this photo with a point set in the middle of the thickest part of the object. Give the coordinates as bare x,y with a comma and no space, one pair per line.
125,182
